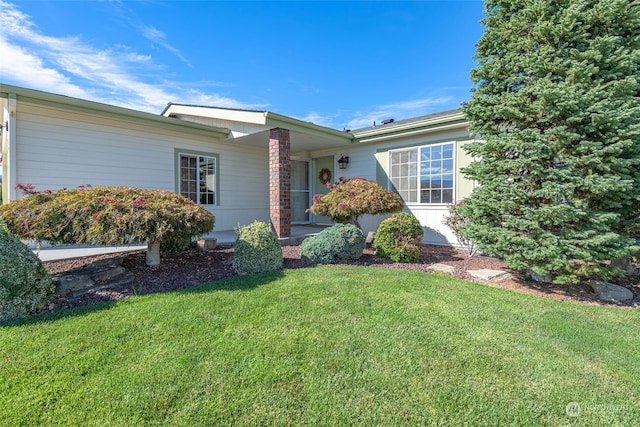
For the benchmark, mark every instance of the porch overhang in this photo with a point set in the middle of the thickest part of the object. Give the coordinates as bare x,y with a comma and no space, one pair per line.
301,142
252,127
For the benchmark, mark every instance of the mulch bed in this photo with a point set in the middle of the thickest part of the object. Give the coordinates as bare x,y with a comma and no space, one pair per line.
179,271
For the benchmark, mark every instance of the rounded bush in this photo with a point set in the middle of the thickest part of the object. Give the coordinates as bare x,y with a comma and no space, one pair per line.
257,249
399,238
25,285
340,240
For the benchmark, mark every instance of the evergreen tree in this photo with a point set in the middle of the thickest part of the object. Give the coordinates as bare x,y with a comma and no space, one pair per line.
556,111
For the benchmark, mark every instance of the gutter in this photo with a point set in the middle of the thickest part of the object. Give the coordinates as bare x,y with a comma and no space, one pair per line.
278,120
415,127
105,110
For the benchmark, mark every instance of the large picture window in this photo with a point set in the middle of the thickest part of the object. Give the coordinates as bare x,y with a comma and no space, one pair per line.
198,178
423,174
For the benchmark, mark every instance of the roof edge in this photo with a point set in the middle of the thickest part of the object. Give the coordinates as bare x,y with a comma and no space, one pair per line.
431,120
83,105
279,120
180,104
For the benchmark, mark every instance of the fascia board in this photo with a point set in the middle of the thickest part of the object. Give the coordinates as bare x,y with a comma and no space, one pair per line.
408,132
457,119
245,116
111,111
274,120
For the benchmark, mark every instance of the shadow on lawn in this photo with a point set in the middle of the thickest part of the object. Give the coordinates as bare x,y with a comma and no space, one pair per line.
235,283
53,316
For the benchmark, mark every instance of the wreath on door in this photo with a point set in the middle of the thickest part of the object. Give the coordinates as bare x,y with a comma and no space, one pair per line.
324,176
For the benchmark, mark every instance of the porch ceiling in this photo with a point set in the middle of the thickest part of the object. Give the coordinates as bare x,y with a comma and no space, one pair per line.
301,142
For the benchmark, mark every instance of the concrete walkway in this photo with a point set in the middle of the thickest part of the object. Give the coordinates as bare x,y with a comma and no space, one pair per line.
224,237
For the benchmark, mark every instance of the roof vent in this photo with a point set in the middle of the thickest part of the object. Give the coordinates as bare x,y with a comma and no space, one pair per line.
387,121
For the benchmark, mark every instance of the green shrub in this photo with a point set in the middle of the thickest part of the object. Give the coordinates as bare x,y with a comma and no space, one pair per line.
25,285
399,238
257,249
340,240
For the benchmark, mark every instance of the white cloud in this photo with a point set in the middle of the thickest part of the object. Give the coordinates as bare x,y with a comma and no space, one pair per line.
29,70
196,97
318,119
400,110
69,66
160,38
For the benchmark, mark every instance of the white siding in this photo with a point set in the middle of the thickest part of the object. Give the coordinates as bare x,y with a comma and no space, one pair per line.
59,148
366,158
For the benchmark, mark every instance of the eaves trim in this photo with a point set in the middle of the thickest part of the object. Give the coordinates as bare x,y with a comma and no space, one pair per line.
111,111
412,129
274,120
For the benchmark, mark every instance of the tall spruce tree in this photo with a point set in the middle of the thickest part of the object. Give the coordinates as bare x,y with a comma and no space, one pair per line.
556,111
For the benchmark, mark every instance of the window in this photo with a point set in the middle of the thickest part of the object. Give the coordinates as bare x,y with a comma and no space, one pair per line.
423,174
198,178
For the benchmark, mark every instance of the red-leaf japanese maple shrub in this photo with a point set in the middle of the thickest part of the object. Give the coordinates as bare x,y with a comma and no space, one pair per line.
108,216
349,199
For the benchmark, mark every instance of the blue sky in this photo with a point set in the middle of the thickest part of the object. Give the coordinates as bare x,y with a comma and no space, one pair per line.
342,64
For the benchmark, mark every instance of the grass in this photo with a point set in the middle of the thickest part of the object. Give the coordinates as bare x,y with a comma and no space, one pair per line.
324,346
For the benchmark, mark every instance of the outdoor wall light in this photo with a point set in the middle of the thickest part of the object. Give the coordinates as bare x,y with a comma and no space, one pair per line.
343,162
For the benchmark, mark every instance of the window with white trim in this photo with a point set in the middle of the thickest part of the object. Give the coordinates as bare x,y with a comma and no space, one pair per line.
198,178
423,174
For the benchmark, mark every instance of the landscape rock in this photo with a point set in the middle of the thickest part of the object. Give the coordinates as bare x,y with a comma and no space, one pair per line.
539,277
207,243
442,268
100,274
611,293
370,236
107,273
486,274
121,280
72,283
634,269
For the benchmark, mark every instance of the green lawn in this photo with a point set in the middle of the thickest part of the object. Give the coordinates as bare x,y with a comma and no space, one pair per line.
325,346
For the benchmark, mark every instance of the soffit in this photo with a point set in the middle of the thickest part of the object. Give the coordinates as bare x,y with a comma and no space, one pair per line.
300,141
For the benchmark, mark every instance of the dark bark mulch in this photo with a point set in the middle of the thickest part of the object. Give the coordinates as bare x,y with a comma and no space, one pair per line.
182,270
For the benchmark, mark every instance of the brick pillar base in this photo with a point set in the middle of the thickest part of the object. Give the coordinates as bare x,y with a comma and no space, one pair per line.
280,181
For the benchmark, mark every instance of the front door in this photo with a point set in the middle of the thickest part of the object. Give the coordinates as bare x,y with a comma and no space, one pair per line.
323,169
300,191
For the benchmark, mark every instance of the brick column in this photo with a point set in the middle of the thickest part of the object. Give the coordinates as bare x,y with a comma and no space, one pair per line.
280,181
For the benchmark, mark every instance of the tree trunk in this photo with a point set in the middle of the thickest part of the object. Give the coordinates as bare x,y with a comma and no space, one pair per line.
153,253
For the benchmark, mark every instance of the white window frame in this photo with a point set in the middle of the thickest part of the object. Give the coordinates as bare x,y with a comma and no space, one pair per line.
416,187
211,194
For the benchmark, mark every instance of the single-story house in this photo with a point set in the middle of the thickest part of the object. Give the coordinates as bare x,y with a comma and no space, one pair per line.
242,165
